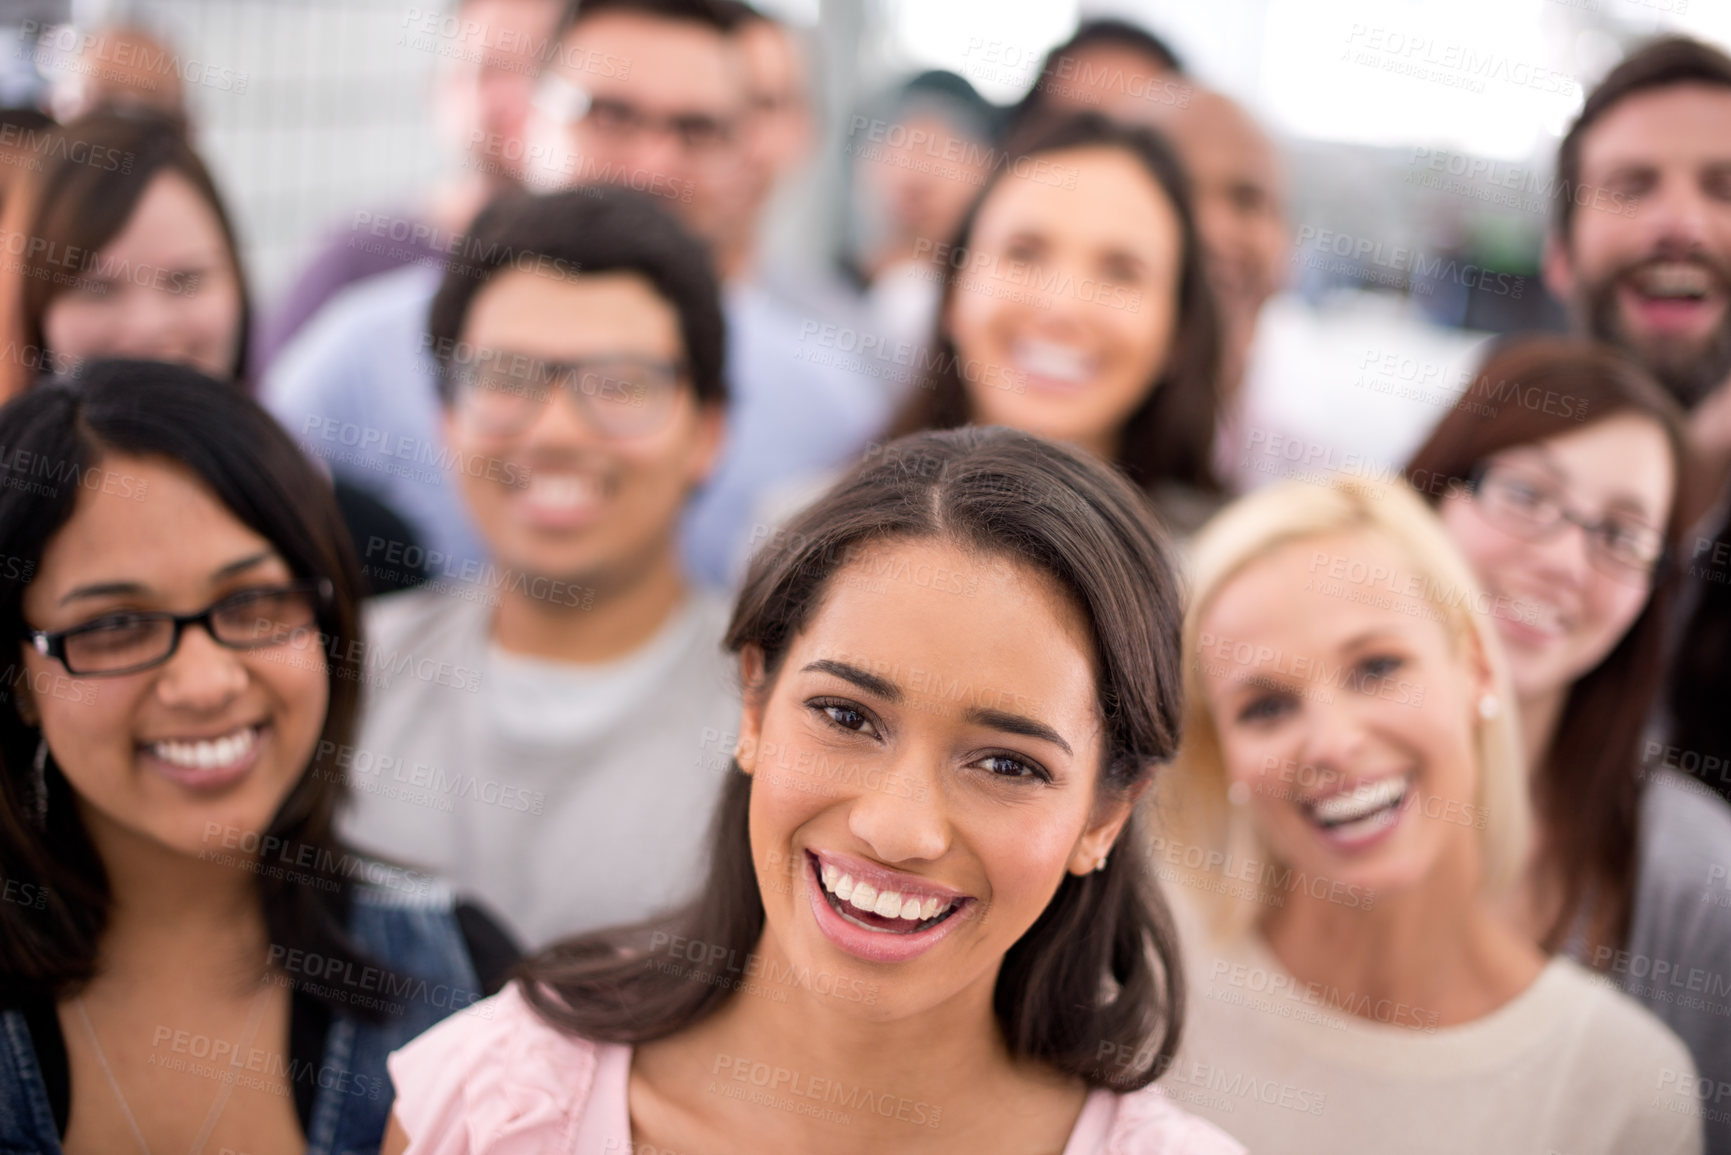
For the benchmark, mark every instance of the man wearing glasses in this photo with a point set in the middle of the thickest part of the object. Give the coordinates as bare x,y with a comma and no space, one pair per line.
1640,250
693,112
581,359
652,95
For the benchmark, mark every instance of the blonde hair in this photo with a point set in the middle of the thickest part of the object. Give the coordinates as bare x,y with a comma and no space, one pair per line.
1190,800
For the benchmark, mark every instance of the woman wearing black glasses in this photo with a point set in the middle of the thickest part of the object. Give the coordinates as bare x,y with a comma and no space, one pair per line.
189,959
1563,477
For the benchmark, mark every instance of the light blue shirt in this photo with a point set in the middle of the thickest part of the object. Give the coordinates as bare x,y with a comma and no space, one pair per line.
357,388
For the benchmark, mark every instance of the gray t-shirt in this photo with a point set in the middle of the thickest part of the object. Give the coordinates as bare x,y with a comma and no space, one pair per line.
564,797
1678,960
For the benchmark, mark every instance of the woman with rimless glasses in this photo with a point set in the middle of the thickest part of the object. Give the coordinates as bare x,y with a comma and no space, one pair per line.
190,960
1569,500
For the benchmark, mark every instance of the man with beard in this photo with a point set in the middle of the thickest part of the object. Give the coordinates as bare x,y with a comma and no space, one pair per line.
1641,252
1641,248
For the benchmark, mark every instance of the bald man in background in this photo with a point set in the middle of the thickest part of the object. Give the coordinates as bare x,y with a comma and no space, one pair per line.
121,67
1239,190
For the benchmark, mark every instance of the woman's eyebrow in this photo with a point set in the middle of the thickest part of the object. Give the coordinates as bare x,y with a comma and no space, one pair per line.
865,680
244,563
1017,724
102,590
129,588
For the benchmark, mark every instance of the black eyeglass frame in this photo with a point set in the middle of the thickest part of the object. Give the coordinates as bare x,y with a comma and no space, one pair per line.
52,643
561,377
1651,577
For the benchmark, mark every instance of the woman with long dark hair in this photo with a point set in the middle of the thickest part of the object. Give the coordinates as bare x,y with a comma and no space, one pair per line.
190,959
1075,306
925,923
1563,475
124,249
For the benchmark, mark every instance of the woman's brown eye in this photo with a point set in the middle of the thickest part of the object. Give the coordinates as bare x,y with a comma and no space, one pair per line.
842,716
1005,766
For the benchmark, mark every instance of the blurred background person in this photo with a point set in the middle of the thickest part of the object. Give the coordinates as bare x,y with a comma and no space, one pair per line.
135,256
917,162
1656,282
1104,61
172,750
779,125
1240,196
1623,864
681,126
480,102
598,697
668,126
120,68
1347,815
1077,307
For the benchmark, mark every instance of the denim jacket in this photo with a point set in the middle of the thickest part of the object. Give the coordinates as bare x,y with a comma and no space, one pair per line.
412,930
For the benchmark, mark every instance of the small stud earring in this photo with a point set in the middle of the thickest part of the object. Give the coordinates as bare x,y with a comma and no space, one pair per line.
1100,865
1489,707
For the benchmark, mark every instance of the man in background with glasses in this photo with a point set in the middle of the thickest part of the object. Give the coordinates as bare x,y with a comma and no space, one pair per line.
538,719
693,122
653,95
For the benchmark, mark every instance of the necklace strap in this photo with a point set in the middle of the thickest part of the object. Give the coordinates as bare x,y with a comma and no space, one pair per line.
113,1083
211,1116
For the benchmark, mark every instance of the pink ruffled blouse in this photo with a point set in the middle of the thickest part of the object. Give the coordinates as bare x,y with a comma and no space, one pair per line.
496,1079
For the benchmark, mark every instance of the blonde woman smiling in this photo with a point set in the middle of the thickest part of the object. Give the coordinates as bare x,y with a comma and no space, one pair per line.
1352,781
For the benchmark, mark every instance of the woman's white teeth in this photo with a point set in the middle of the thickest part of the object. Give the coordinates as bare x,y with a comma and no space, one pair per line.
1060,362
1372,823
887,903
209,753
1366,799
1539,615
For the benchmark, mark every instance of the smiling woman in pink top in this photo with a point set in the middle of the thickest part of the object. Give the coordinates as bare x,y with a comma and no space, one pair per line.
926,922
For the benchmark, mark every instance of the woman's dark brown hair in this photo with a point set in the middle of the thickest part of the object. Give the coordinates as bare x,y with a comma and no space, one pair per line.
1096,977
96,171
1586,793
1170,436
56,438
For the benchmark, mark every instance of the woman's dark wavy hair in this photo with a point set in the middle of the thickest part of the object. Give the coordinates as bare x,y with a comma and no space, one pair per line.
84,198
1170,436
54,443
1586,793
1093,988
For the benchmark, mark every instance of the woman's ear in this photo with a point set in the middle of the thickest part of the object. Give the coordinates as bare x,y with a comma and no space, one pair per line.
1479,664
1097,841
754,690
